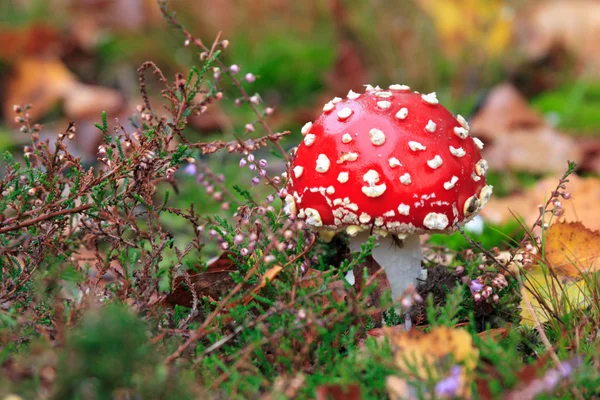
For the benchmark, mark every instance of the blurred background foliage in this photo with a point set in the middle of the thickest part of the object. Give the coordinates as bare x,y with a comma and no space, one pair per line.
525,73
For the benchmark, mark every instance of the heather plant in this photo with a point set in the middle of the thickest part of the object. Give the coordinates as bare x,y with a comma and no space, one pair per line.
99,299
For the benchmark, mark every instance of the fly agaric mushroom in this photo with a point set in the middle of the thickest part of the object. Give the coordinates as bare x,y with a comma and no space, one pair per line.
383,163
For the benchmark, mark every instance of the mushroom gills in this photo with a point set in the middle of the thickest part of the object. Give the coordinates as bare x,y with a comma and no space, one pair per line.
402,265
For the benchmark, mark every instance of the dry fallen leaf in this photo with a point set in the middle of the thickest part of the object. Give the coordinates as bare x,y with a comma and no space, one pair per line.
46,82
573,25
572,249
427,354
338,392
538,150
212,282
517,138
560,293
504,110
583,206
267,277
484,25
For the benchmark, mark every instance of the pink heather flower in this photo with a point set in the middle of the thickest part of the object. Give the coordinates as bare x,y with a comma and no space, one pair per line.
255,180
270,198
251,157
239,238
244,251
234,69
250,77
249,127
269,111
252,167
262,163
243,162
255,99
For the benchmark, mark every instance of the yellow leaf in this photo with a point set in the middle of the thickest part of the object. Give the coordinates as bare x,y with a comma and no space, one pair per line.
269,275
427,354
562,294
465,25
572,249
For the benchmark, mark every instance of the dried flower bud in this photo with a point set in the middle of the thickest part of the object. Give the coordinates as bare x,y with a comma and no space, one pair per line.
17,109
224,43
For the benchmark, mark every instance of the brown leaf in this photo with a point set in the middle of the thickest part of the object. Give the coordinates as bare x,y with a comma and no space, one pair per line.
267,277
496,333
427,354
537,150
88,101
504,110
32,41
338,392
39,81
583,206
573,25
212,282
572,249
46,82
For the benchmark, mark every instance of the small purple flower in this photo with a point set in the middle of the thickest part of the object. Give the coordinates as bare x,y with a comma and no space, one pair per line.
250,77
234,69
476,286
448,387
255,180
252,167
262,163
243,162
251,157
270,198
191,169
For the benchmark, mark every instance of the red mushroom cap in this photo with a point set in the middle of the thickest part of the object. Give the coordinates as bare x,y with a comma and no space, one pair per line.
387,160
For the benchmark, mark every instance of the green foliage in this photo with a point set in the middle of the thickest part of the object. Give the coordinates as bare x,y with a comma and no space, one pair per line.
575,105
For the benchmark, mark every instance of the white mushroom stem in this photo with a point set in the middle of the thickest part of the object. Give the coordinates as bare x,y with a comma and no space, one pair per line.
402,265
